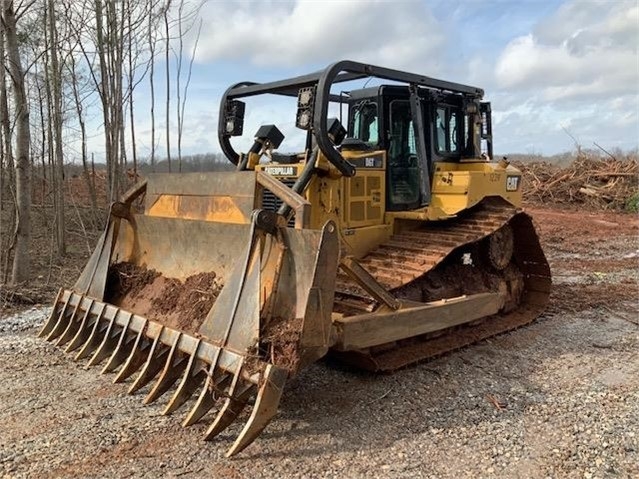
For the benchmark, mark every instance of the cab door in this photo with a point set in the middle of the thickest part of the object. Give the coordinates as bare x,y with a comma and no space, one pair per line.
403,171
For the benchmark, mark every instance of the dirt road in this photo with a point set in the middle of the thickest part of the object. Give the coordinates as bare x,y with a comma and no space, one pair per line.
559,398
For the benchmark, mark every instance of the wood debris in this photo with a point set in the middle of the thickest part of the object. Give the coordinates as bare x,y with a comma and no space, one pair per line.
594,182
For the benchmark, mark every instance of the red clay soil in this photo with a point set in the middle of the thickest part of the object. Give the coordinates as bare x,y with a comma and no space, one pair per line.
592,246
281,340
582,228
179,305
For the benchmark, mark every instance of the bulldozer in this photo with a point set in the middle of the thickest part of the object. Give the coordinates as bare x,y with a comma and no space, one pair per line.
392,237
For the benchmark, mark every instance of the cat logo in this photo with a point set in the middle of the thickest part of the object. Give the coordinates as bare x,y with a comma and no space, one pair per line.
512,183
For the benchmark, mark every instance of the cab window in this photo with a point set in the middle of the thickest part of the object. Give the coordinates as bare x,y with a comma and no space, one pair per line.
447,124
365,122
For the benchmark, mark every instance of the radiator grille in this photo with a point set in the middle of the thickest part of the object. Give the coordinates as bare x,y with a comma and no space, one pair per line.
270,202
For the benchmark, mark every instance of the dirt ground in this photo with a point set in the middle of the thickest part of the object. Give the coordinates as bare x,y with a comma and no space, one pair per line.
558,398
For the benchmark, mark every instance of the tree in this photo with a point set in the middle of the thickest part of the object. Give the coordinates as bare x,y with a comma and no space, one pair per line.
74,61
7,182
21,266
55,78
167,70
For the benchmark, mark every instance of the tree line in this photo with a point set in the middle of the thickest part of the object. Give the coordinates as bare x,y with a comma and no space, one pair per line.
67,64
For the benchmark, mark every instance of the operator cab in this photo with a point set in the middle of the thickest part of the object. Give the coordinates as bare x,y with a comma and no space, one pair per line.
381,118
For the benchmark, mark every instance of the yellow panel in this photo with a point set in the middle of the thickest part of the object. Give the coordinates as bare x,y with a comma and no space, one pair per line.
361,241
209,208
357,186
458,186
357,211
372,183
325,196
373,212
365,199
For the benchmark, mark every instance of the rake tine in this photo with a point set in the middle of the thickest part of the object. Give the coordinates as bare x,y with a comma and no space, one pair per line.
188,384
106,347
233,406
83,331
53,332
121,351
69,331
207,397
152,365
94,338
171,372
136,358
50,322
268,399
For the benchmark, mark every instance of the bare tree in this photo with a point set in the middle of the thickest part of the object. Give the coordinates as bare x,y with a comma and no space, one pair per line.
151,43
21,266
72,61
167,69
55,77
131,72
185,22
79,108
7,183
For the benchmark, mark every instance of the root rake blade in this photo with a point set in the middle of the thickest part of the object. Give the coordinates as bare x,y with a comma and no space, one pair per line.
131,343
268,271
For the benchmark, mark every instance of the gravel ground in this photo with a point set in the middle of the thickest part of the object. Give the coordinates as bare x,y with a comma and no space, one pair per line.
559,398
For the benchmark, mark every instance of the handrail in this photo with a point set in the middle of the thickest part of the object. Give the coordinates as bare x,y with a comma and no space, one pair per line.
324,79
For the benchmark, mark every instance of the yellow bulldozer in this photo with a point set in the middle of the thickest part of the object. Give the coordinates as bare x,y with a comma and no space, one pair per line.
391,238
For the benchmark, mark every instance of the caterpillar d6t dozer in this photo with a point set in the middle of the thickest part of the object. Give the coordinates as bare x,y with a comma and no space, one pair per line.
386,241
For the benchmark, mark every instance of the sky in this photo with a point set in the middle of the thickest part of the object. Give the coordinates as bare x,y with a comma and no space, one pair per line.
555,71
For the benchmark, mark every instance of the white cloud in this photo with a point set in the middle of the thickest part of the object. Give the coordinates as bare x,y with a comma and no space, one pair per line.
577,70
397,34
583,51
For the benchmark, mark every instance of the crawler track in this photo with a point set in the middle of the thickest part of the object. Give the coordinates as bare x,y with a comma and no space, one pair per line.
412,261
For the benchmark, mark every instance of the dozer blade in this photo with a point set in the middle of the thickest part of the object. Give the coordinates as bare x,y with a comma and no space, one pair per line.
202,312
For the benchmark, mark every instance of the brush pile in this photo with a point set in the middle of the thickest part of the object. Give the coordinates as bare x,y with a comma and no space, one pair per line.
589,181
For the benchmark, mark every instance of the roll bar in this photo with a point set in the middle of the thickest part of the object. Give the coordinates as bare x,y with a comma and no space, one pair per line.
323,80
